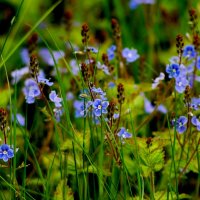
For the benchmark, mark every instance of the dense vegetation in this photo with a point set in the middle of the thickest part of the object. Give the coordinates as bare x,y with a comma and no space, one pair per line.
99,99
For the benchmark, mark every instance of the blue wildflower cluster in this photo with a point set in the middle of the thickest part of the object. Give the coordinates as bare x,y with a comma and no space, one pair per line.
184,73
182,121
98,106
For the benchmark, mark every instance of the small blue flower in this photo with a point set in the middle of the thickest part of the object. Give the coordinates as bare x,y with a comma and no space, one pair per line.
198,62
111,84
99,92
130,54
133,4
174,59
173,70
6,152
162,109
116,116
123,134
54,98
69,96
180,124
100,107
18,74
79,108
195,103
92,49
20,119
31,91
103,67
111,52
195,121
181,83
47,57
45,81
58,112
189,51
74,67
157,80
25,56
149,108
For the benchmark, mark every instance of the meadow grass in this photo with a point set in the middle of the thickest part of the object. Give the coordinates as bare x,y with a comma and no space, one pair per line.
93,126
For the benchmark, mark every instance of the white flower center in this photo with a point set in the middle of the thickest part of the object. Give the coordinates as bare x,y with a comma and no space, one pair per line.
99,106
5,152
180,83
129,55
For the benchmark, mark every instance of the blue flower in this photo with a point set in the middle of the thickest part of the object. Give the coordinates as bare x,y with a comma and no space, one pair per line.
25,56
99,107
58,112
69,96
174,59
198,62
47,57
157,80
54,98
20,119
92,49
74,67
149,108
18,74
99,92
45,81
133,4
111,52
81,110
116,116
189,51
130,54
103,67
123,134
31,91
111,84
180,124
173,70
181,83
6,152
196,122
195,103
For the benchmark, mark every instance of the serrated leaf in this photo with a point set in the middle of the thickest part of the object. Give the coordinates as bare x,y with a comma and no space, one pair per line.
94,170
63,191
162,195
67,144
151,154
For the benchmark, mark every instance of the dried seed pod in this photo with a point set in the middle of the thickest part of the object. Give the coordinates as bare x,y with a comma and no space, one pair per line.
84,33
120,95
3,119
34,67
85,72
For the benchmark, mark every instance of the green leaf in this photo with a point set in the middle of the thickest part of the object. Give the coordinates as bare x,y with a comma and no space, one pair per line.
5,97
63,191
151,154
162,195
